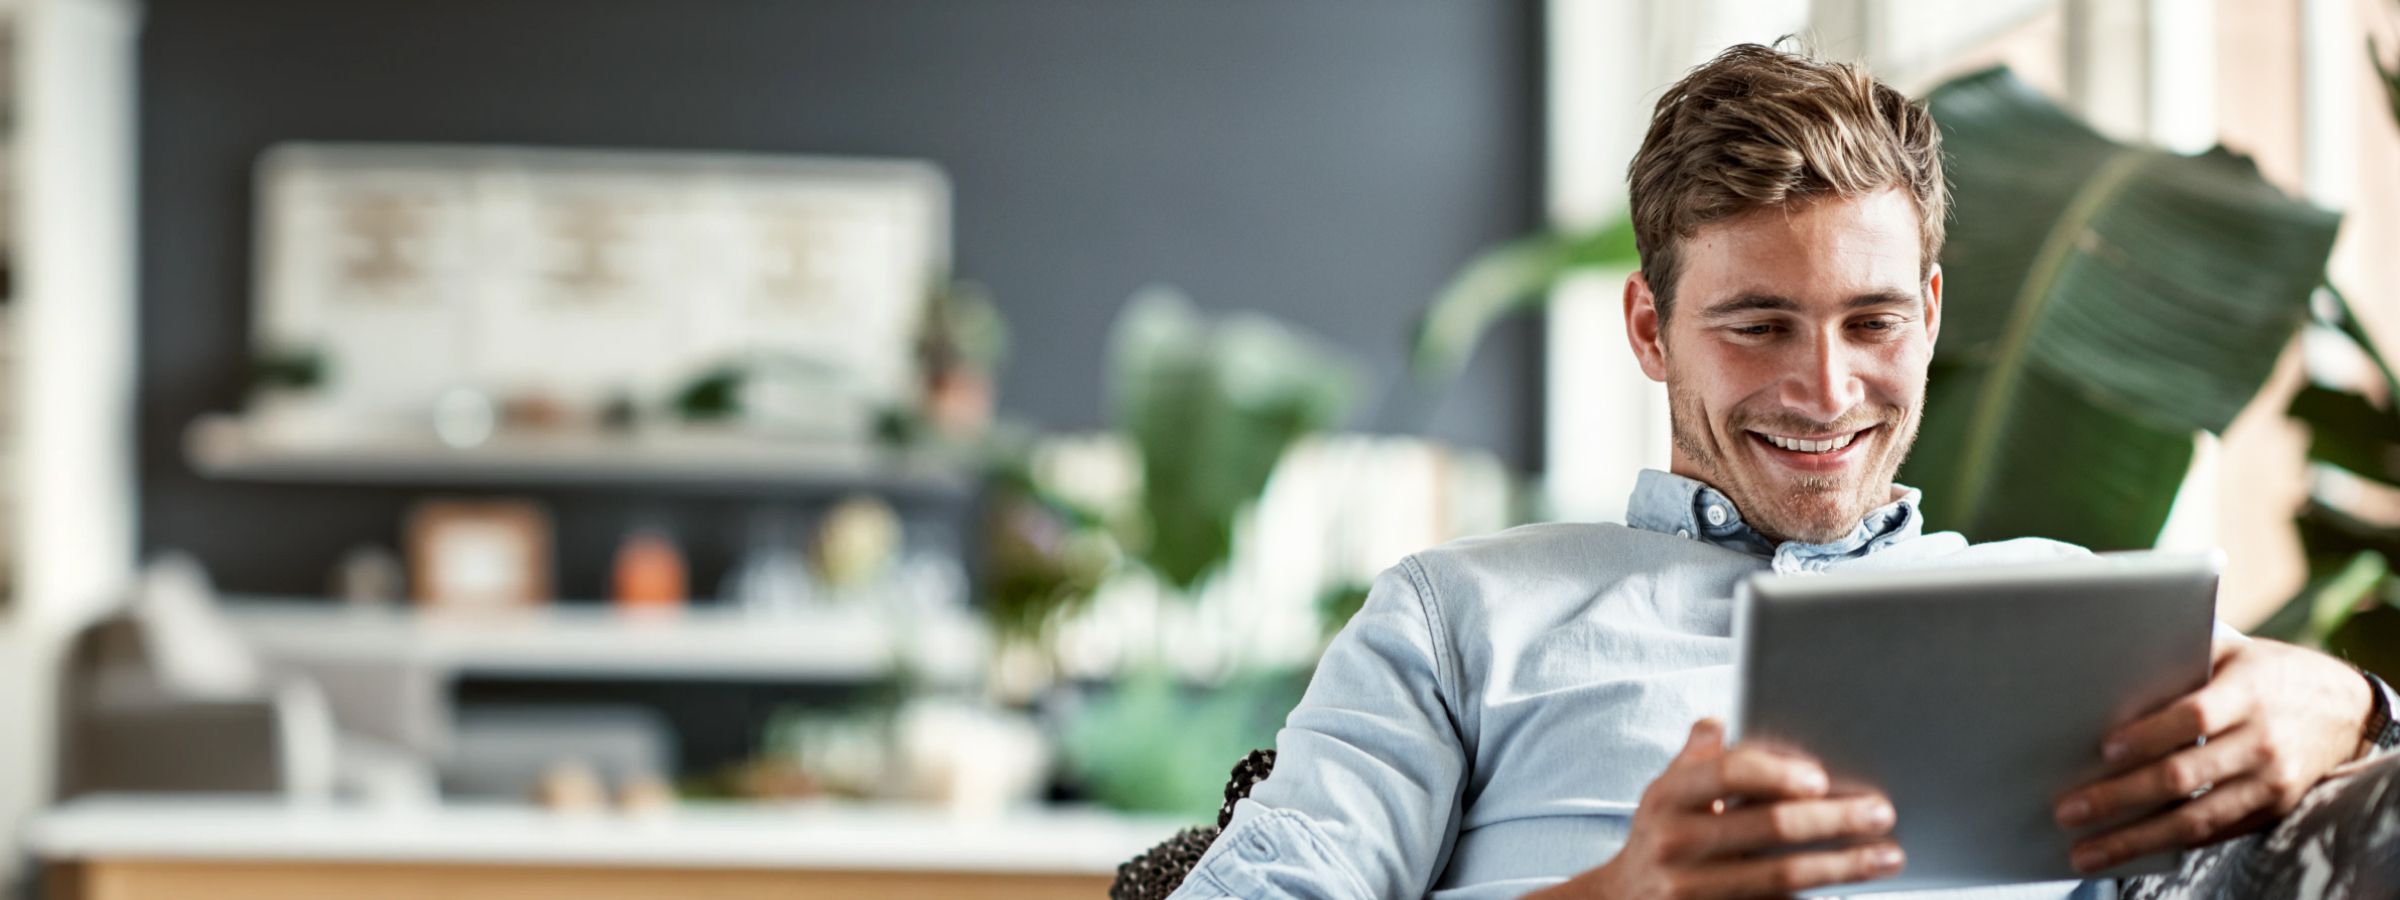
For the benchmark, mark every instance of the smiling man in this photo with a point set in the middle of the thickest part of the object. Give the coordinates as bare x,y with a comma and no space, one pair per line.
1795,382
1537,710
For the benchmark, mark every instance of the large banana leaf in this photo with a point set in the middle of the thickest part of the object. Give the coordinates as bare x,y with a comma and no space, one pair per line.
2103,303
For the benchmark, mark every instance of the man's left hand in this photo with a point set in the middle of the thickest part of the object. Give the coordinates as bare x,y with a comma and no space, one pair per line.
2277,719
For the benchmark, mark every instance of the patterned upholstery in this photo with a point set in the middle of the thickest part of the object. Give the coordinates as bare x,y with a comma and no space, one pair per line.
2343,843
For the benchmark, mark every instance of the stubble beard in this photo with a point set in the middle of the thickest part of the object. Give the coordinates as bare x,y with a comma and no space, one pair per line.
1812,509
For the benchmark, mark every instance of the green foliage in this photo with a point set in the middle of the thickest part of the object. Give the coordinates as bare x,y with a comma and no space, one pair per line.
2351,605
2102,303
1211,408
713,394
1152,744
2327,601
1517,275
1043,556
2386,73
963,327
718,392
293,369
1338,603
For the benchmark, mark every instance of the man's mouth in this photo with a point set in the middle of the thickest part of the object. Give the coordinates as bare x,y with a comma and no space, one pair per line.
1814,452
1804,445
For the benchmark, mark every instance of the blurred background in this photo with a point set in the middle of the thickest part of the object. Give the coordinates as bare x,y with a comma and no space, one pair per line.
831,447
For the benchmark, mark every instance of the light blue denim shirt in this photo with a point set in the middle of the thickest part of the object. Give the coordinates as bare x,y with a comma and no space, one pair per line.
1484,724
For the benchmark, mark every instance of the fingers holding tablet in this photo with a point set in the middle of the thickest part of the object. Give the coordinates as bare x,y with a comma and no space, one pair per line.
2208,712
1707,772
2178,777
2259,758
1789,823
2224,811
1746,821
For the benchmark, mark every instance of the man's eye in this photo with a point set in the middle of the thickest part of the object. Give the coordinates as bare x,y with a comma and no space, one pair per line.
1754,330
1880,326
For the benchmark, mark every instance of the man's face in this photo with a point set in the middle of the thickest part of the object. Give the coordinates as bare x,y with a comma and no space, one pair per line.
1794,357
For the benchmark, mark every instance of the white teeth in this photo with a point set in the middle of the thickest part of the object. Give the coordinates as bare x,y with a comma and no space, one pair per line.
1825,446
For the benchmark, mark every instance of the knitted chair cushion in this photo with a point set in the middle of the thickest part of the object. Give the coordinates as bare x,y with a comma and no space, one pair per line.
1157,873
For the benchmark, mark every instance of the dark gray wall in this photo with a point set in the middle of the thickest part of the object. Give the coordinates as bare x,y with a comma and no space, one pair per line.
1326,162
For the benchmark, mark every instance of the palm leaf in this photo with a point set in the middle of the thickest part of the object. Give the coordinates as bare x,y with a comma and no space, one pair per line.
2344,320
1512,276
2102,303
2347,431
2386,74
2326,603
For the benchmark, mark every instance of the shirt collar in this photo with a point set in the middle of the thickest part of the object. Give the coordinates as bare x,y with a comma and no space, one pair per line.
1672,504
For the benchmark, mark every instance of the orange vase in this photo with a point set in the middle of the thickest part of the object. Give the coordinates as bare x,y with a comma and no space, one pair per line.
649,572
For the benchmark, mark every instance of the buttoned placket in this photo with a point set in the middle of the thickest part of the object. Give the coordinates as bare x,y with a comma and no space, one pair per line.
1701,513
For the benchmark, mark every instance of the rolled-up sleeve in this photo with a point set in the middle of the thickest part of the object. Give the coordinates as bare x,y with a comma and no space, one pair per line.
1369,768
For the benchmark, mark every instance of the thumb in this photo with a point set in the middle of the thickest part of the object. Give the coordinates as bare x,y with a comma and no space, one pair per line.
1707,737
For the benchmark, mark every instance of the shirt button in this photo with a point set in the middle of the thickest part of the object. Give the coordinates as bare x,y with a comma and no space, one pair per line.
1683,532
1716,514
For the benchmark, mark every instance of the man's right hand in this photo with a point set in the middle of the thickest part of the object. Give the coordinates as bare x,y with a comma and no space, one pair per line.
1705,828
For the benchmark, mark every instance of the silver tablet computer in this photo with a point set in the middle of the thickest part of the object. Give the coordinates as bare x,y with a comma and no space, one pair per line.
1973,697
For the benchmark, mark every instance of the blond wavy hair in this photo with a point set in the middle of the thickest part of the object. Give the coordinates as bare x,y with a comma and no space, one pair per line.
1759,127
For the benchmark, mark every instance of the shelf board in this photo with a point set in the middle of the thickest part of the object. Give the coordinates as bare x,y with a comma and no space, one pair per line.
227,447
815,834
600,642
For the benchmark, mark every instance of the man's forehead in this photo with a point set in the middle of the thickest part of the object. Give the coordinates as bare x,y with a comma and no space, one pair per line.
1837,252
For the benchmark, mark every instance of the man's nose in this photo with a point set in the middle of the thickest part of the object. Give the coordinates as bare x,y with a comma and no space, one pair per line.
1826,384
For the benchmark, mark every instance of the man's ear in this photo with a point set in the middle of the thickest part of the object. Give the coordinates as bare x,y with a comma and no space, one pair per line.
1642,327
1933,305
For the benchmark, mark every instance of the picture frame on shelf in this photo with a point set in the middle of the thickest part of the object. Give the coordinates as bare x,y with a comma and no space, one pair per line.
588,276
479,556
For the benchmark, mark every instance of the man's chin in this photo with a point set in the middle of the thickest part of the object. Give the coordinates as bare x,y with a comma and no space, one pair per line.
1806,530
1814,514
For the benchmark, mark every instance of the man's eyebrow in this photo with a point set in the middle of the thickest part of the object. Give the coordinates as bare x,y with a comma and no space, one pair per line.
1882,298
1758,302
1742,303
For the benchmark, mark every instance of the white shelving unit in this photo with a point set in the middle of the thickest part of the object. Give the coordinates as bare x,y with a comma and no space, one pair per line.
1082,841
596,641
236,450
228,447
